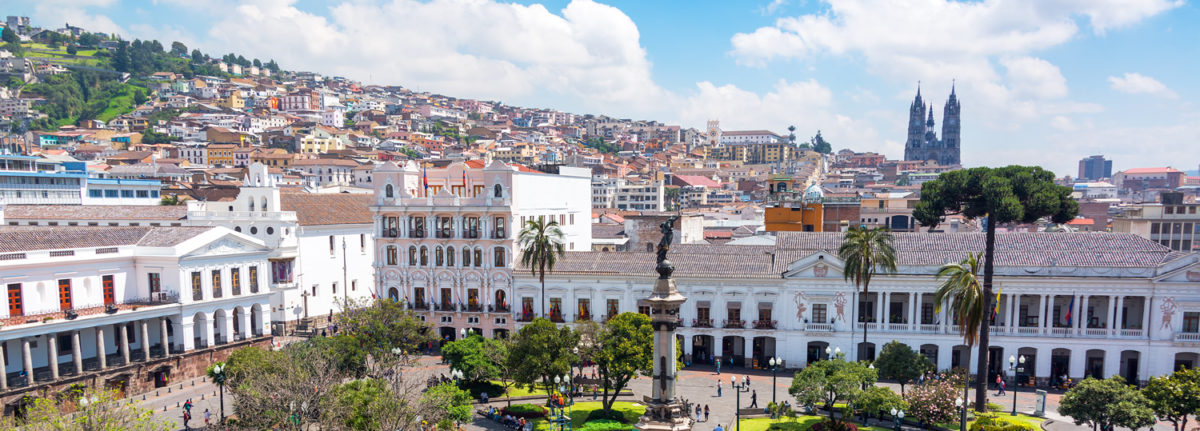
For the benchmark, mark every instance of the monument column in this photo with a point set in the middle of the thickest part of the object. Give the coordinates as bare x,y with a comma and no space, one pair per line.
663,411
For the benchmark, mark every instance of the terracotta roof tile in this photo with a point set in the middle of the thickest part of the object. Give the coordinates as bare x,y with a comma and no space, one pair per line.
32,238
96,212
326,209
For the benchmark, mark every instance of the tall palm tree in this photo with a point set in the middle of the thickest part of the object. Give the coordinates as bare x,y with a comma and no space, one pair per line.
962,285
541,246
867,252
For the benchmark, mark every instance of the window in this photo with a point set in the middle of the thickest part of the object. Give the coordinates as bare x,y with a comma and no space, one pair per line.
412,256
216,283
353,285
93,193
16,302
1154,227
107,194
572,218
613,308
253,273
585,309
126,193
330,244
500,234
424,256
466,257
556,310
478,257
143,193
362,242
389,191
197,288
154,194
471,226
438,256
335,288
391,255
1191,322
235,280
450,256
498,191
110,296
64,294
644,309
445,227
499,254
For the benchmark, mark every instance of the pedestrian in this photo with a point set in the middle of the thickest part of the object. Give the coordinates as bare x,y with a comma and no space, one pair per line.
1000,384
754,399
718,388
698,411
207,417
706,412
187,406
718,428
747,381
595,392
186,417
484,397
718,367
323,334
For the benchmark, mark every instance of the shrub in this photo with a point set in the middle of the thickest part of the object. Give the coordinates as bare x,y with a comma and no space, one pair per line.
993,407
989,422
605,425
932,402
828,425
879,399
527,411
787,426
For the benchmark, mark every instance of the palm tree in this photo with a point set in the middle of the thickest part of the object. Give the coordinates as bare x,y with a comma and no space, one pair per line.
962,285
541,246
866,252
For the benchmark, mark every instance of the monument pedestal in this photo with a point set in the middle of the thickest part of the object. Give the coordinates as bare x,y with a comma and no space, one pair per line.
669,416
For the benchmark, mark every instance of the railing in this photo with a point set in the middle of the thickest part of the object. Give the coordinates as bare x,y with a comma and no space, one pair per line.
870,325
472,233
421,306
525,317
1029,330
929,328
897,327
765,324
416,233
556,317
583,317
444,307
1062,331
55,312
474,308
237,290
445,233
499,308
819,327
1187,336
1096,332
997,329
733,324
499,234
702,323
1130,333
391,233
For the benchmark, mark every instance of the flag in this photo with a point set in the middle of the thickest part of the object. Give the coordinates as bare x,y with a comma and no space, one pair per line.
996,310
1070,309
425,179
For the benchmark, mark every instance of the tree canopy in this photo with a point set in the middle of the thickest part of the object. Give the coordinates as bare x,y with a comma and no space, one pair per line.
1009,194
901,363
625,350
1175,396
1105,404
382,325
830,381
540,351
470,356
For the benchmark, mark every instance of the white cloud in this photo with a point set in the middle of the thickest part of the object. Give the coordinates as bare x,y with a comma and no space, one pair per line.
772,7
1136,83
57,13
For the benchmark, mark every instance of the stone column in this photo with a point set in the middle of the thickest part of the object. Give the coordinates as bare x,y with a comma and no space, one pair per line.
100,347
124,345
1083,311
77,352
1146,300
881,310
52,354
27,357
186,333
248,329
1043,316
145,341
165,339
3,366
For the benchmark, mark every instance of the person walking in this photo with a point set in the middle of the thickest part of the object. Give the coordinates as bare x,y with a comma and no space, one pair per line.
207,417
754,399
698,411
1000,385
706,412
186,417
718,428
718,388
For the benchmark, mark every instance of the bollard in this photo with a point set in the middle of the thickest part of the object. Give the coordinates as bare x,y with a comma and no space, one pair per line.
143,397
201,397
156,392
164,408
177,404
168,390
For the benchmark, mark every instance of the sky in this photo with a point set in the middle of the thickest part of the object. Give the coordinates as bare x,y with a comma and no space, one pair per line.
1041,82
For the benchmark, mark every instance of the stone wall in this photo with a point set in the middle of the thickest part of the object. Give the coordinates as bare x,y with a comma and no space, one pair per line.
138,377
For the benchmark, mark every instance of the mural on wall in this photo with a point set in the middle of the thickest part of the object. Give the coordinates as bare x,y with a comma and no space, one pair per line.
1168,310
839,303
800,299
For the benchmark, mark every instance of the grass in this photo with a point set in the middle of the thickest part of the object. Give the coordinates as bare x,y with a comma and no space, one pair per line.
117,106
583,412
514,390
1020,418
761,424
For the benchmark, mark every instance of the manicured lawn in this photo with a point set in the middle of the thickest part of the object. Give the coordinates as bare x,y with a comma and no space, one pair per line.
581,413
520,391
761,424
1020,418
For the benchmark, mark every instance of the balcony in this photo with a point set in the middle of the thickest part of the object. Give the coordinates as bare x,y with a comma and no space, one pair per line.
526,316
502,308
416,233
928,328
556,317
420,306
733,324
472,233
499,234
895,327
702,323
476,308
1062,332
1028,330
583,317
445,233
765,324
1187,337
1095,332
78,310
869,325
445,306
819,327
1131,333
390,233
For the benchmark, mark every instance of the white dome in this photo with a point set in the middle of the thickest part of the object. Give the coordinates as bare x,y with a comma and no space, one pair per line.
813,194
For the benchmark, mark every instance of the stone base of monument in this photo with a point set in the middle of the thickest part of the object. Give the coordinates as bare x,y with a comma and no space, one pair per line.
660,416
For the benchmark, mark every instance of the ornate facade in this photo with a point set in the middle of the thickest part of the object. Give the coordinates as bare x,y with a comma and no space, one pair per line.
923,143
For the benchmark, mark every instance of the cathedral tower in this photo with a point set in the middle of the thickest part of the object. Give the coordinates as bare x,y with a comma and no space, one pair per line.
923,143
950,131
916,127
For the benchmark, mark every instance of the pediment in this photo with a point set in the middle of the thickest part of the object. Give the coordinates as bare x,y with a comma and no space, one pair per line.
1184,273
816,265
226,246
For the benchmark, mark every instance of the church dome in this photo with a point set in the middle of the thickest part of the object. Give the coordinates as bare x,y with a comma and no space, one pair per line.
814,194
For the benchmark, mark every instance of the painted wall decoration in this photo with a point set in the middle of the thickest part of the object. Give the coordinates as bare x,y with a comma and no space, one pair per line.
839,303
801,306
1168,308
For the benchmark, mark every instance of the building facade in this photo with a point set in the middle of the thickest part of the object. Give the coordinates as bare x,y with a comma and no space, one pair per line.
446,239
1076,305
923,143
1094,168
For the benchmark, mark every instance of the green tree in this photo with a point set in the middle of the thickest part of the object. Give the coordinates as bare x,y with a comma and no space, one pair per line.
469,355
178,49
92,410
901,363
827,382
879,399
140,97
10,36
820,145
962,286
1105,404
1174,397
540,351
865,253
356,402
626,348
197,56
90,40
1003,195
541,246
381,325
71,50
455,404
120,59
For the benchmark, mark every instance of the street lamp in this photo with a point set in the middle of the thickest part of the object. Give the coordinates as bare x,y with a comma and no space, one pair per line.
962,421
462,334
775,362
897,418
828,352
733,383
1020,364
219,378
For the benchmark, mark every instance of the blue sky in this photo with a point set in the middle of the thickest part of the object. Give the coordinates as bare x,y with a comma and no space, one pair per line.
1041,81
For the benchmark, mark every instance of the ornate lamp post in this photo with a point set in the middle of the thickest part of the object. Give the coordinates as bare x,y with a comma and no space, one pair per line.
1020,367
733,383
775,363
897,418
219,379
962,420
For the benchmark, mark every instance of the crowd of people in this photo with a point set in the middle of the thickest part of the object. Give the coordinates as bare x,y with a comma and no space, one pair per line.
509,421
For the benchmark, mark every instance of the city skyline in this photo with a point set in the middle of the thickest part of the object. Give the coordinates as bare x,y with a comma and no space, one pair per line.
1051,82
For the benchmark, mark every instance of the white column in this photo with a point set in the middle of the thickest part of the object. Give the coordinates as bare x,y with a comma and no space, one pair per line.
27,357
124,345
1043,315
52,354
164,339
145,341
913,301
881,311
244,318
3,366
1083,311
76,352
186,332
1146,300
100,354
227,326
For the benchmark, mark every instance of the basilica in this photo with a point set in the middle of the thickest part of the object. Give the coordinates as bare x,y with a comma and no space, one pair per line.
923,143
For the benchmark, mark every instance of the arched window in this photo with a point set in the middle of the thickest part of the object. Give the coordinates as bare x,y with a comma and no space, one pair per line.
264,204
412,255
251,204
392,259
649,247
438,256
499,254
478,257
466,261
424,256
501,300
450,256
499,191
388,191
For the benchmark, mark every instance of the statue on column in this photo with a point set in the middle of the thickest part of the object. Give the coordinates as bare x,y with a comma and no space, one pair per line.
665,268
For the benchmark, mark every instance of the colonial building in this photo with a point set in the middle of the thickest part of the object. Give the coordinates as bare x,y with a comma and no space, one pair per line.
1078,305
446,239
923,143
125,307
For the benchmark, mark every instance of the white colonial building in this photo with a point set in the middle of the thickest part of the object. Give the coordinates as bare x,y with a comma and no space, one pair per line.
447,238
124,306
1082,304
